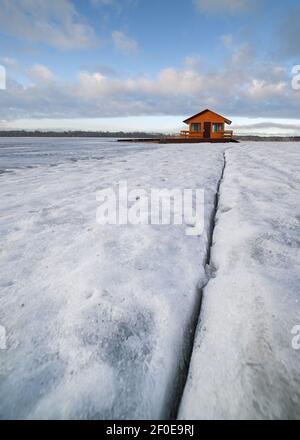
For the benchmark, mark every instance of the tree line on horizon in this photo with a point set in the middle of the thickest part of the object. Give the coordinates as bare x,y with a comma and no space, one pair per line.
122,134
76,133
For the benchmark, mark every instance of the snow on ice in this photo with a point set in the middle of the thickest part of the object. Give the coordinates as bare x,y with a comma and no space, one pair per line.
244,365
98,318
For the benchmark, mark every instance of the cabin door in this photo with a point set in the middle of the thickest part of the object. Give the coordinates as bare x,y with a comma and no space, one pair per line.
207,129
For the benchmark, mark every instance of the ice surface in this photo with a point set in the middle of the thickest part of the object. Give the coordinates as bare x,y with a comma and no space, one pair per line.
243,364
32,152
97,318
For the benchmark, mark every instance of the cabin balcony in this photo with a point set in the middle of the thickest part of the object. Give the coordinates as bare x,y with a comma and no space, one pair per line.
226,134
188,133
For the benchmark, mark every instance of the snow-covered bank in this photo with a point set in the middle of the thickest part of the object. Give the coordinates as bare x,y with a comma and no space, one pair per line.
244,365
97,318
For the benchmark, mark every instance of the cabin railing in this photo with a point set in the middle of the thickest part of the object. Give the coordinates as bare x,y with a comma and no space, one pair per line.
228,134
186,133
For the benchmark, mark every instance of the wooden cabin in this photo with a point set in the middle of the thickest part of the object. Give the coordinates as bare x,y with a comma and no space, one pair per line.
207,126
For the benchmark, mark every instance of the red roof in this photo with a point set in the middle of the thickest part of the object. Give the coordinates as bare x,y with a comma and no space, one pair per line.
207,110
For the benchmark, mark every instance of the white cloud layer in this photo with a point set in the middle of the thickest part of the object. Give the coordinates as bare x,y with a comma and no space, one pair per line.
40,73
244,86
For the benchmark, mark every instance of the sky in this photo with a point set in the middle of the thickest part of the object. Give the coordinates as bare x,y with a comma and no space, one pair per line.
146,65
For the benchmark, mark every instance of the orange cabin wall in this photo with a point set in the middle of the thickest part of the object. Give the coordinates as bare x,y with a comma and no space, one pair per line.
207,117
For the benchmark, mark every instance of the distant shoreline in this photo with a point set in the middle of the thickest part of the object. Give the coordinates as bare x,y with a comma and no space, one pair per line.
78,134
121,134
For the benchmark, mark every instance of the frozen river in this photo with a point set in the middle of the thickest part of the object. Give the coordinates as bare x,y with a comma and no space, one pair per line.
98,319
32,152
97,322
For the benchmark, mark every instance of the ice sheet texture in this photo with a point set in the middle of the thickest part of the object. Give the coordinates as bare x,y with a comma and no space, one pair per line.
98,319
243,365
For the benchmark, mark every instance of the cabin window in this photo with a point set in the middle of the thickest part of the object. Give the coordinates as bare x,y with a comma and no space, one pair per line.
217,128
196,128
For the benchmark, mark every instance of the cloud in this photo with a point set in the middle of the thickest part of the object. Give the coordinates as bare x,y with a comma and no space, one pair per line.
243,86
124,43
41,73
268,128
54,22
2,78
169,83
268,125
9,62
260,89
